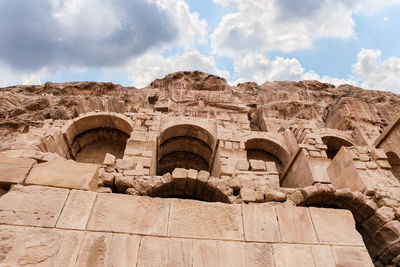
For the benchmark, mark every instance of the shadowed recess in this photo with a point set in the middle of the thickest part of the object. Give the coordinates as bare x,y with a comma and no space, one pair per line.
185,146
394,161
267,150
334,144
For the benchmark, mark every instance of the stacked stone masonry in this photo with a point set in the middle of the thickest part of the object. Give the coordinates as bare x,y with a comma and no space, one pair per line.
60,227
190,171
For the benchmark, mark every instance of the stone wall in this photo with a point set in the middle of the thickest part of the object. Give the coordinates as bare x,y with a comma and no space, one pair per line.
60,227
191,171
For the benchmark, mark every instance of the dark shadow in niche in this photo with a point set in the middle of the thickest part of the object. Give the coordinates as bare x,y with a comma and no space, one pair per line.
203,192
184,146
267,150
394,161
334,144
92,146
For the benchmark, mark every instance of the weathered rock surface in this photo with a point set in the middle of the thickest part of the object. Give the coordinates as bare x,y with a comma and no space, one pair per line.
14,170
32,205
95,229
25,106
264,149
67,174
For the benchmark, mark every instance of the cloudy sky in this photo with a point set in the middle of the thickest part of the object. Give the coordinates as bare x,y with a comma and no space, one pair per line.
132,42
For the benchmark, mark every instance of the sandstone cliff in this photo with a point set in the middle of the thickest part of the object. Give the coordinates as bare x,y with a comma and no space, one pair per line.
201,94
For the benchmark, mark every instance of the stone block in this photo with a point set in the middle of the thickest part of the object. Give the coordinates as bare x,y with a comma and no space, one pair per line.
179,252
201,184
323,256
66,174
107,178
257,165
95,249
124,250
378,153
376,221
125,164
191,182
364,157
384,164
228,170
289,255
210,189
14,170
315,154
179,176
259,255
123,182
69,249
9,236
242,165
352,257
109,160
231,253
271,167
189,218
344,231
77,209
365,211
129,214
32,205
388,235
35,247
234,183
371,165
248,195
166,179
274,195
295,225
205,253
259,196
179,173
132,191
260,223
153,251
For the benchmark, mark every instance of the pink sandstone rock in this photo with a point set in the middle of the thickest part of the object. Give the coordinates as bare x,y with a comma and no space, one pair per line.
273,142
66,174
14,170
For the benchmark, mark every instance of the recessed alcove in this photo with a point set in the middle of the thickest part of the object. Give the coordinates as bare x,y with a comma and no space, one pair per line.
92,146
394,161
90,137
334,144
185,146
267,150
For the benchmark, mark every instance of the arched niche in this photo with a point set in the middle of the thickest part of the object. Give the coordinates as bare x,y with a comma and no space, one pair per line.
267,150
208,192
185,146
367,215
90,137
334,143
394,161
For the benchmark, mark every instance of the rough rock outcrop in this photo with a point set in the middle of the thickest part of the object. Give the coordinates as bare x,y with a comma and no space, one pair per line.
299,173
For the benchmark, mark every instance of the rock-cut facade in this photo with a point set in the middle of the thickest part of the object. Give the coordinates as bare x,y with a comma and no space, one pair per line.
191,171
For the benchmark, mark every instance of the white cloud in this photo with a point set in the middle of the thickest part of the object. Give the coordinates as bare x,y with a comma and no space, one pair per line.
258,68
10,77
376,73
92,33
372,6
151,66
259,26
311,75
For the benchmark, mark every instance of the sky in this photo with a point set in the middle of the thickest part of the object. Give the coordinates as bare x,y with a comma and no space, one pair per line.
133,42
